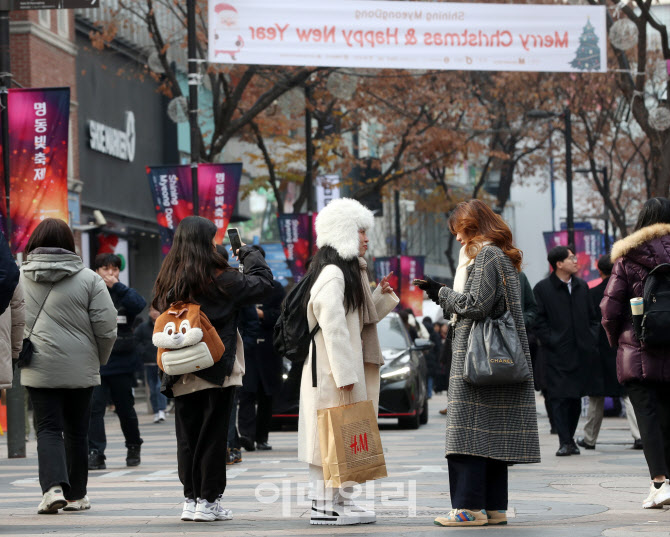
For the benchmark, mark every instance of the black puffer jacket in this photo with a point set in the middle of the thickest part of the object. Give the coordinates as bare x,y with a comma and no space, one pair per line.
250,287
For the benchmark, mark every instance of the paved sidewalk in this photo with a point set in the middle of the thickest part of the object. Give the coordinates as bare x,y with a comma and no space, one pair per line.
598,493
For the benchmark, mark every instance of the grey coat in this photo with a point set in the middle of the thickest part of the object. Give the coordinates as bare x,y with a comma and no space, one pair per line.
497,422
76,330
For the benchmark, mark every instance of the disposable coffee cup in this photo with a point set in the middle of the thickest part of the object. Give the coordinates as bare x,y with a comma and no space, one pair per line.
637,305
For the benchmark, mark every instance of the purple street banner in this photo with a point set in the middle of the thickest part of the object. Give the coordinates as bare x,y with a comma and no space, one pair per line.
294,231
218,186
38,148
411,268
590,246
383,266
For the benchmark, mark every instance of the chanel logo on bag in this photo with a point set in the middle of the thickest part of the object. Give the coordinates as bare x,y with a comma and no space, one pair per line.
501,361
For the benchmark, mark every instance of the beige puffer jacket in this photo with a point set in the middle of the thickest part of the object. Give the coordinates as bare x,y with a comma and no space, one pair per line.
12,322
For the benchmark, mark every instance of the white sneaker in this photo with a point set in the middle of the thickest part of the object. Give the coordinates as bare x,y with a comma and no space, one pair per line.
366,516
78,505
188,513
657,497
161,415
328,513
52,501
208,512
157,418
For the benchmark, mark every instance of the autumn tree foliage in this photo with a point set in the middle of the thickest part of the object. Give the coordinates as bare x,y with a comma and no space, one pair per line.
238,93
637,67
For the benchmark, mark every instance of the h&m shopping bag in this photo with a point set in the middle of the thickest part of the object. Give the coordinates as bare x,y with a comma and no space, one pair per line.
351,448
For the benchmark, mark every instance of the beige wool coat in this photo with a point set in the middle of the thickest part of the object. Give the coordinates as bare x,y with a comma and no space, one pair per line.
339,357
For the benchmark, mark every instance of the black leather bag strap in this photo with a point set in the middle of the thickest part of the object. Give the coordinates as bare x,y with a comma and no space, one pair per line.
312,335
41,308
504,280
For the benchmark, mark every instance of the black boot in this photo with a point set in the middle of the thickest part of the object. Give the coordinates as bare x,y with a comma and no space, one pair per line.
96,460
133,456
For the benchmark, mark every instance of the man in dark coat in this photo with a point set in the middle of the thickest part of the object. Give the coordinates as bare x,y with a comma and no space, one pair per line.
147,352
9,274
262,376
566,328
117,377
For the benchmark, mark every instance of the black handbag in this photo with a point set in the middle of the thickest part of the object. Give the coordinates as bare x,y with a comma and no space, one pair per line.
495,355
26,354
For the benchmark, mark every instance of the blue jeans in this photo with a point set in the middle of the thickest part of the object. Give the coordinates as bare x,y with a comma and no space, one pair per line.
429,387
158,400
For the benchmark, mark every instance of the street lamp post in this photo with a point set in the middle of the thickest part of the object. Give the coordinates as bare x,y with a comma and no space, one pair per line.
193,82
606,196
567,132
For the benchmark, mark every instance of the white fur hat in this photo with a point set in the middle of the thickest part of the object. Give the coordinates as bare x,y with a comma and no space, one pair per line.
337,225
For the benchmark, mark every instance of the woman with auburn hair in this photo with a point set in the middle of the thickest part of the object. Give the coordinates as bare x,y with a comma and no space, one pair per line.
488,427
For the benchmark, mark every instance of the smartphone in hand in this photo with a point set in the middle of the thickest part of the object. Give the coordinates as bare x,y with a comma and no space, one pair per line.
235,241
418,282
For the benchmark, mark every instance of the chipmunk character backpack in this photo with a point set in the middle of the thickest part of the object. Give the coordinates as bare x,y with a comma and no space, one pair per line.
186,340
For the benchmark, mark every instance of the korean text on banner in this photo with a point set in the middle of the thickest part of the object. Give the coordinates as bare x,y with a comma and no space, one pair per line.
411,268
590,245
38,137
295,233
409,35
218,186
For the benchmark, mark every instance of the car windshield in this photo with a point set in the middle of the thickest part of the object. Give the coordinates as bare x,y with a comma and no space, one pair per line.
391,333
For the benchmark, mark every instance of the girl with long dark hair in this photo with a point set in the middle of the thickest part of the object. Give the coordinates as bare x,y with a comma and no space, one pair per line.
488,427
194,271
348,354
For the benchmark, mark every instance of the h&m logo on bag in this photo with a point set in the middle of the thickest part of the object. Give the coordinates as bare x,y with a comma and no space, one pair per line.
360,444
501,361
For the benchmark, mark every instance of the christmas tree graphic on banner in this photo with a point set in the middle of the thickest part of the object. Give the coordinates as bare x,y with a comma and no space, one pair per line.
588,52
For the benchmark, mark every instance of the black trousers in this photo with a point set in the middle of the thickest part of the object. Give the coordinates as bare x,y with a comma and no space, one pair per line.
477,483
201,422
233,436
61,419
255,414
118,388
565,413
651,402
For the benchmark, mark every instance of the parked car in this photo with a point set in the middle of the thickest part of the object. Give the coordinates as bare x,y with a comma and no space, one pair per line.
403,393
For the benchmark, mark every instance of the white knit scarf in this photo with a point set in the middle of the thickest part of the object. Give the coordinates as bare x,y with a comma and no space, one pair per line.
461,276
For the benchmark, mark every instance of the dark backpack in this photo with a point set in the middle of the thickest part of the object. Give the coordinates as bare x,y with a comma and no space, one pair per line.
656,318
291,337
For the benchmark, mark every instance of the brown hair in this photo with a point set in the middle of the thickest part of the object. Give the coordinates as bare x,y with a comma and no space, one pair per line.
51,233
479,224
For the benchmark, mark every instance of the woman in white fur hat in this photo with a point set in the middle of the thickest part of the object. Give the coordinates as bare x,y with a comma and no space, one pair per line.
348,354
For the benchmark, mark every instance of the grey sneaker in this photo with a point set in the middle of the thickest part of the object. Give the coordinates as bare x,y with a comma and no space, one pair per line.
52,501
208,512
78,505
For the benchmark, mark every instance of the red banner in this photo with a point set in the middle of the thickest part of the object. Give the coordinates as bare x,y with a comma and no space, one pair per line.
295,233
171,187
411,268
38,136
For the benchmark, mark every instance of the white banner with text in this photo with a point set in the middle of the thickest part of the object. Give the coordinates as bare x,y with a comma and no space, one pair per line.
409,35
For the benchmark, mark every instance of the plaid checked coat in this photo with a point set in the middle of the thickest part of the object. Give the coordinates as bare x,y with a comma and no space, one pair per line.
497,422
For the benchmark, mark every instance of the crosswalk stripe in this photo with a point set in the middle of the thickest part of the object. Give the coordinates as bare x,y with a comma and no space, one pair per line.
112,475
